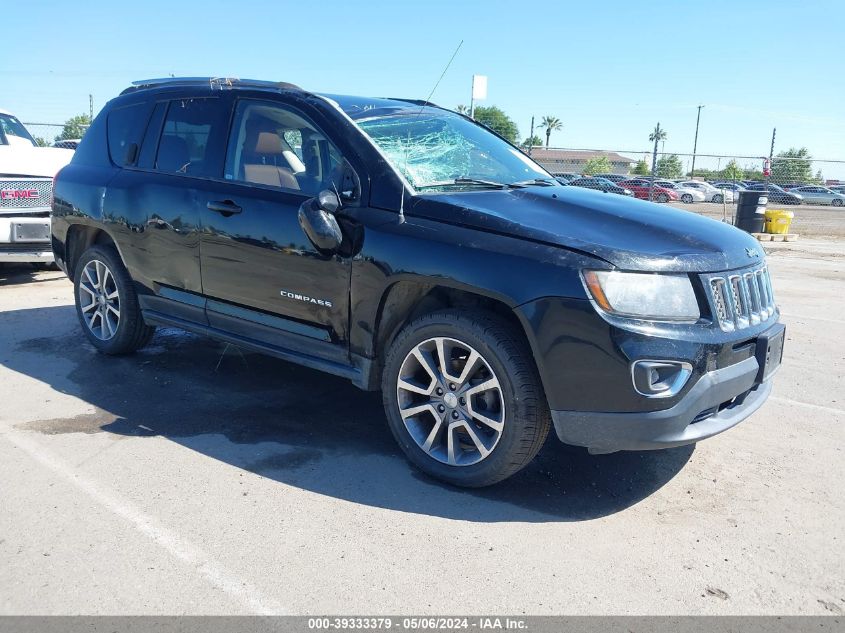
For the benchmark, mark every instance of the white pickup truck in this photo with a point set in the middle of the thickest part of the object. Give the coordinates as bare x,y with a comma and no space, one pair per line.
26,189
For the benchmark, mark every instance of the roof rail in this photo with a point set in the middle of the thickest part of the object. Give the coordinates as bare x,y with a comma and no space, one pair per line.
419,102
215,83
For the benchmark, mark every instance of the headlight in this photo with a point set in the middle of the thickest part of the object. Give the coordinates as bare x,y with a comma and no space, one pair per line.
643,295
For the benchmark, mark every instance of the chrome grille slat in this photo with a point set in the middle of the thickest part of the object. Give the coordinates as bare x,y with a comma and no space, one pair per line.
44,187
742,299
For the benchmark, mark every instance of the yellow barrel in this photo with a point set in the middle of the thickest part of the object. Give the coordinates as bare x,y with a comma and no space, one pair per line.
778,221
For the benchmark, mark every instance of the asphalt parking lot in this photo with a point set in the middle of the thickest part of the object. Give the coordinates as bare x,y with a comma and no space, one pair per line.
193,478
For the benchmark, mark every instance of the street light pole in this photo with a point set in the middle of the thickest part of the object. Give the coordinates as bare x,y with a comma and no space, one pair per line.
695,143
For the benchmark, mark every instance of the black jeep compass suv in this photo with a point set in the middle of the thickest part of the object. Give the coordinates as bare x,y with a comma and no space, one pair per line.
412,250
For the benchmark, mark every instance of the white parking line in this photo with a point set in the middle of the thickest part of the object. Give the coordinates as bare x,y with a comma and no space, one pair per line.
817,407
182,549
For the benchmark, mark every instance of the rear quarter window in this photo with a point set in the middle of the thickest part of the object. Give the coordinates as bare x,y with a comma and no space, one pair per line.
126,127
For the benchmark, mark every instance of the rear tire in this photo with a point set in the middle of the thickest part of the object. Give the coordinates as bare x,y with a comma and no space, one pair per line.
107,304
686,198
468,427
718,198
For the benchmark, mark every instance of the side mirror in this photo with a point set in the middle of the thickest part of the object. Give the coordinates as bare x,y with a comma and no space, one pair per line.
316,217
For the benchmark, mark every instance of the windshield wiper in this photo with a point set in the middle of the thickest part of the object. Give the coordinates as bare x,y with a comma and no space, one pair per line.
491,184
478,181
543,182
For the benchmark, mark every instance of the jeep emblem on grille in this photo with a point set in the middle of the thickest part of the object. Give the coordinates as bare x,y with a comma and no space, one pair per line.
8,194
752,252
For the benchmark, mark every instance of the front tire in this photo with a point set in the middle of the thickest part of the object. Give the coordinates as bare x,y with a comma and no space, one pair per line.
837,203
662,197
463,398
718,198
107,304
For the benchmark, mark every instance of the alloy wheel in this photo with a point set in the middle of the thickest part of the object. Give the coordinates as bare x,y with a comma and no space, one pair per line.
99,300
451,401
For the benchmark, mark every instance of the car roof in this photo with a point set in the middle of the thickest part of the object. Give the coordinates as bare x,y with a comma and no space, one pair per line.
354,107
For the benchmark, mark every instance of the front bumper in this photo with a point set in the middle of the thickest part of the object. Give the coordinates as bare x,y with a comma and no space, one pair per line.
731,391
13,249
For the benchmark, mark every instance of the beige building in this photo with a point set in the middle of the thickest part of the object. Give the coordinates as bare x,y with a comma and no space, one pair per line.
559,161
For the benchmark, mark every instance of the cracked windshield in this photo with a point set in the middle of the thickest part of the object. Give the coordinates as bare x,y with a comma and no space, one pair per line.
440,151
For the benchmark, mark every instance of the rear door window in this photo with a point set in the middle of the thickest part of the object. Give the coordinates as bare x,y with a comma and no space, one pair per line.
191,137
126,128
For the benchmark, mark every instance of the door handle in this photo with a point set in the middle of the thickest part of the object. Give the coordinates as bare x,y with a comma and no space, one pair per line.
226,207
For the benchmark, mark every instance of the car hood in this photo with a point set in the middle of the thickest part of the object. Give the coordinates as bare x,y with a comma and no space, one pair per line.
628,233
23,160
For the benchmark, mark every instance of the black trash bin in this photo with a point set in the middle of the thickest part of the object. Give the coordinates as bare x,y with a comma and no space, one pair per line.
751,211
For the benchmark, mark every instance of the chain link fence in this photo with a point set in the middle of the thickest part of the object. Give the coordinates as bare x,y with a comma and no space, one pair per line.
709,183
52,134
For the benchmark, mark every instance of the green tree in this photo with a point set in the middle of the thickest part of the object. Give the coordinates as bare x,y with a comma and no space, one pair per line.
42,142
462,109
597,165
793,165
658,134
498,121
534,141
732,171
641,168
750,172
74,127
552,124
670,167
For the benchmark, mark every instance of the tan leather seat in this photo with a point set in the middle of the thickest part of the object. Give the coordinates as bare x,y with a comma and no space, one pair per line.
269,145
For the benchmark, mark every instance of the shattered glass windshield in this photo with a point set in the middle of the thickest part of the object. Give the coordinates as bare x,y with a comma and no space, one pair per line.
438,150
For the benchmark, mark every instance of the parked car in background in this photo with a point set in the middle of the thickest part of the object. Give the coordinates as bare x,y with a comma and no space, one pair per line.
686,195
816,194
711,192
69,143
788,186
617,178
640,187
26,187
564,178
600,184
837,188
733,187
777,194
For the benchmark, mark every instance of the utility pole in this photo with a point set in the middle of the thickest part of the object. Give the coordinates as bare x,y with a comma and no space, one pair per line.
772,149
767,164
695,142
531,137
90,107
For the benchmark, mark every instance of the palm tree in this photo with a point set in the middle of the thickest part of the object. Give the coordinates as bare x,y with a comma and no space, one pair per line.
659,134
550,123
462,109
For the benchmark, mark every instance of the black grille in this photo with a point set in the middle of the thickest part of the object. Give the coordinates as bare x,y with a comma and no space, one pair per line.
25,247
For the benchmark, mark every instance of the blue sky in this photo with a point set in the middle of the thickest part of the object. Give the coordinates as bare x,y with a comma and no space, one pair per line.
608,70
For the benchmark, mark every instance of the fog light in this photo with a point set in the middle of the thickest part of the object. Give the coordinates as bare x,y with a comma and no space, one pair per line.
660,378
